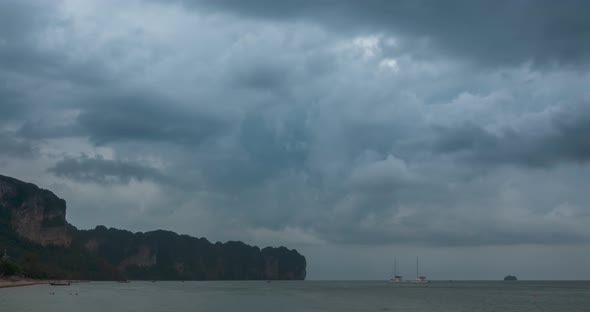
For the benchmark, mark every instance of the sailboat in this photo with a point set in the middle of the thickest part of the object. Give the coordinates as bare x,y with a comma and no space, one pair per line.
420,278
395,278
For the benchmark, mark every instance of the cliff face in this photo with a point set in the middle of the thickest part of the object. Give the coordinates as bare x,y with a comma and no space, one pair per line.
284,264
35,214
37,217
167,255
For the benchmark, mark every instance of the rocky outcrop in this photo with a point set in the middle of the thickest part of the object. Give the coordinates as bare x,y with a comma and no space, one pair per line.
169,256
283,264
143,258
35,214
510,278
30,216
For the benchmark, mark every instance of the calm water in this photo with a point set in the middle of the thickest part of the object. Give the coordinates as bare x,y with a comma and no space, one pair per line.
300,296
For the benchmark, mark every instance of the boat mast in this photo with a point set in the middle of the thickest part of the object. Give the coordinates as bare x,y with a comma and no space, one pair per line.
417,268
394,267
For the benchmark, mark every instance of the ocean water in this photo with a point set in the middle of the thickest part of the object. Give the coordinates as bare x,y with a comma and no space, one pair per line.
299,296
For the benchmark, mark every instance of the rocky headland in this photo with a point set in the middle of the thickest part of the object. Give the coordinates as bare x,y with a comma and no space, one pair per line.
41,244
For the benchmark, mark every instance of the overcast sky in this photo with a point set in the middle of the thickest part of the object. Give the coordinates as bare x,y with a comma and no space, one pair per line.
354,131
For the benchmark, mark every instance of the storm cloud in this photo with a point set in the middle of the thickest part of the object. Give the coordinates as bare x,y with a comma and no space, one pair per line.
99,170
335,127
495,33
565,139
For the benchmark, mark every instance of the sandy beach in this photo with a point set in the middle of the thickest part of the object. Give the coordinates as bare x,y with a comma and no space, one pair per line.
20,282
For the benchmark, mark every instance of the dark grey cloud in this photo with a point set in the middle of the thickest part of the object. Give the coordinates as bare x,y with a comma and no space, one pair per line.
260,151
19,20
12,146
282,145
493,33
39,83
565,139
12,103
105,171
451,236
261,74
129,117
23,27
145,117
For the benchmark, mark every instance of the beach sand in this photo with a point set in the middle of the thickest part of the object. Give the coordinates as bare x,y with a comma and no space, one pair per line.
20,282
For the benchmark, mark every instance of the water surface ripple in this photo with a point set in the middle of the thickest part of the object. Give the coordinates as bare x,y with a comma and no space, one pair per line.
286,296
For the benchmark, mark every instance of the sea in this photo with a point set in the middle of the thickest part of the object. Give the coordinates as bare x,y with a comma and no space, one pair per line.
285,296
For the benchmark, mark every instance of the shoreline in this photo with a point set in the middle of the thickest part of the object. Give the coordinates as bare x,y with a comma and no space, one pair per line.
21,283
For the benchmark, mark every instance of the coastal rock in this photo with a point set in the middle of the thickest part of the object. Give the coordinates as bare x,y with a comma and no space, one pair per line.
169,256
35,214
282,263
143,258
30,216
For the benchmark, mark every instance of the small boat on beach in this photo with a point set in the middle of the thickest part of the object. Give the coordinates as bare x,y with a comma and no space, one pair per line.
60,283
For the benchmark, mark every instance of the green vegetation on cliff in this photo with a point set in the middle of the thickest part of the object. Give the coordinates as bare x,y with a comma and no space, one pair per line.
166,255
41,244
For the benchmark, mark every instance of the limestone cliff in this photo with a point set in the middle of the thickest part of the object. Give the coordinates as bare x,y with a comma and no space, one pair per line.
35,214
30,217
169,256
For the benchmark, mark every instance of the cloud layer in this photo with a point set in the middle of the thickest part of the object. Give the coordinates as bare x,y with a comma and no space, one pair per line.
330,123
